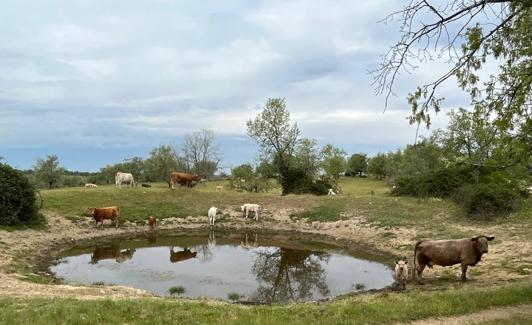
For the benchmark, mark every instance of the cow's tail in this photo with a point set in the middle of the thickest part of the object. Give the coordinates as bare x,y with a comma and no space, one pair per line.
415,259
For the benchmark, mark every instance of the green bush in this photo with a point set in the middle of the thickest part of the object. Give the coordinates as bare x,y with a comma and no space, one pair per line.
489,199
297,182
17,198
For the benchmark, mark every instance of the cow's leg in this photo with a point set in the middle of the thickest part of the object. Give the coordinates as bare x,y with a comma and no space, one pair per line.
419,269
257,215
464,270
116,223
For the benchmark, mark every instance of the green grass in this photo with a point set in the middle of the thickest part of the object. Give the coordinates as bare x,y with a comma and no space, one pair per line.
329,210
382,308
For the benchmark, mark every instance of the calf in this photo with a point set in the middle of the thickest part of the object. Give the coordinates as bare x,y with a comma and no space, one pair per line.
400,275
100,214
467,252
152,222
251,208
213,211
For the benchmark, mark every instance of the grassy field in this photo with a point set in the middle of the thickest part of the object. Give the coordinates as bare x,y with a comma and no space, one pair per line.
365,197
382,308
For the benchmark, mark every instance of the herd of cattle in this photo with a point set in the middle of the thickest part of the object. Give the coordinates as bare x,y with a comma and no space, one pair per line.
466,252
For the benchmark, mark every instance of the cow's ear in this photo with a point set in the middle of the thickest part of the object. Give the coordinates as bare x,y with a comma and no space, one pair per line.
474,239
406,262
490,238
396,262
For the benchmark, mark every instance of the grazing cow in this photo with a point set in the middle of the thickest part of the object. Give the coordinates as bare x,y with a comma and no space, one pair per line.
331,192
219,188
100,214
152,222
183,179
400,275
251,208
181,255
145,185
124,178
213,211
90,185
467,252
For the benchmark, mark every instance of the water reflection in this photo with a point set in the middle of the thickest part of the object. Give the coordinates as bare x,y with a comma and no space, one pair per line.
287,274
111,252
272,268
181,255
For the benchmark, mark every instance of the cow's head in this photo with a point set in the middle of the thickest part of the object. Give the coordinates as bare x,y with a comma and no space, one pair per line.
482,243
243,208
401,269
91,211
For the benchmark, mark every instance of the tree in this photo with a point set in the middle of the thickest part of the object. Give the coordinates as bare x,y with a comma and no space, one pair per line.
162,161
333,162
48,171
277,139
470,34
307,156
376,165
201,152
357,164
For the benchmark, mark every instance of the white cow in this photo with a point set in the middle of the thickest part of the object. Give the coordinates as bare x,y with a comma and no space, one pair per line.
213,211
124,178
90,185
249,207
331,192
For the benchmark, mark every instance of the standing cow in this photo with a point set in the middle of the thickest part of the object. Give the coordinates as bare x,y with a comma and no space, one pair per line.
249,208
467,252
183,178
100,214
124,178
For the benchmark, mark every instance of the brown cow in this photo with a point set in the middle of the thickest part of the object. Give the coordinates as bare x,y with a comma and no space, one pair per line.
467,252
152,222
183,179
181,255
100,214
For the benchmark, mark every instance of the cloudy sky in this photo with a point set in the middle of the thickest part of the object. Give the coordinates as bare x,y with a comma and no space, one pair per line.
97,81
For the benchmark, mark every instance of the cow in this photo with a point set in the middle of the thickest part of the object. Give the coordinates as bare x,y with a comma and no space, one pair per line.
251,208
467,252
124,178
183,179
145,185
219,188
90,185
331,192
213,211
100,214
400,275
152,222
181,255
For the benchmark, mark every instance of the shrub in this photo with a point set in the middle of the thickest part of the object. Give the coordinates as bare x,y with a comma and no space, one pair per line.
17,198
176,290
488,199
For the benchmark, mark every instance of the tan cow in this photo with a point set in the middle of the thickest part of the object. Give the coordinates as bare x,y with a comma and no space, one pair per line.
467,252
100,214
152,222
400,275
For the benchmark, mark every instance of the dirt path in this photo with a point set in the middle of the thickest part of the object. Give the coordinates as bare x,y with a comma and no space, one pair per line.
26,247
494,314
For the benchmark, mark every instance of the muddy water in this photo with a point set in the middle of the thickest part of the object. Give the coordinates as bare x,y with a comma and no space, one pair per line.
258,267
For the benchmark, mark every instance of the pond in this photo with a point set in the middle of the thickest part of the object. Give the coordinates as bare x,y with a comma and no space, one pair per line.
262,268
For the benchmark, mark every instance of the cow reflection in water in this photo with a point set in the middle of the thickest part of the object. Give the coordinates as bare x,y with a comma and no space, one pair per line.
250,244
181,255
286,274
112,252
